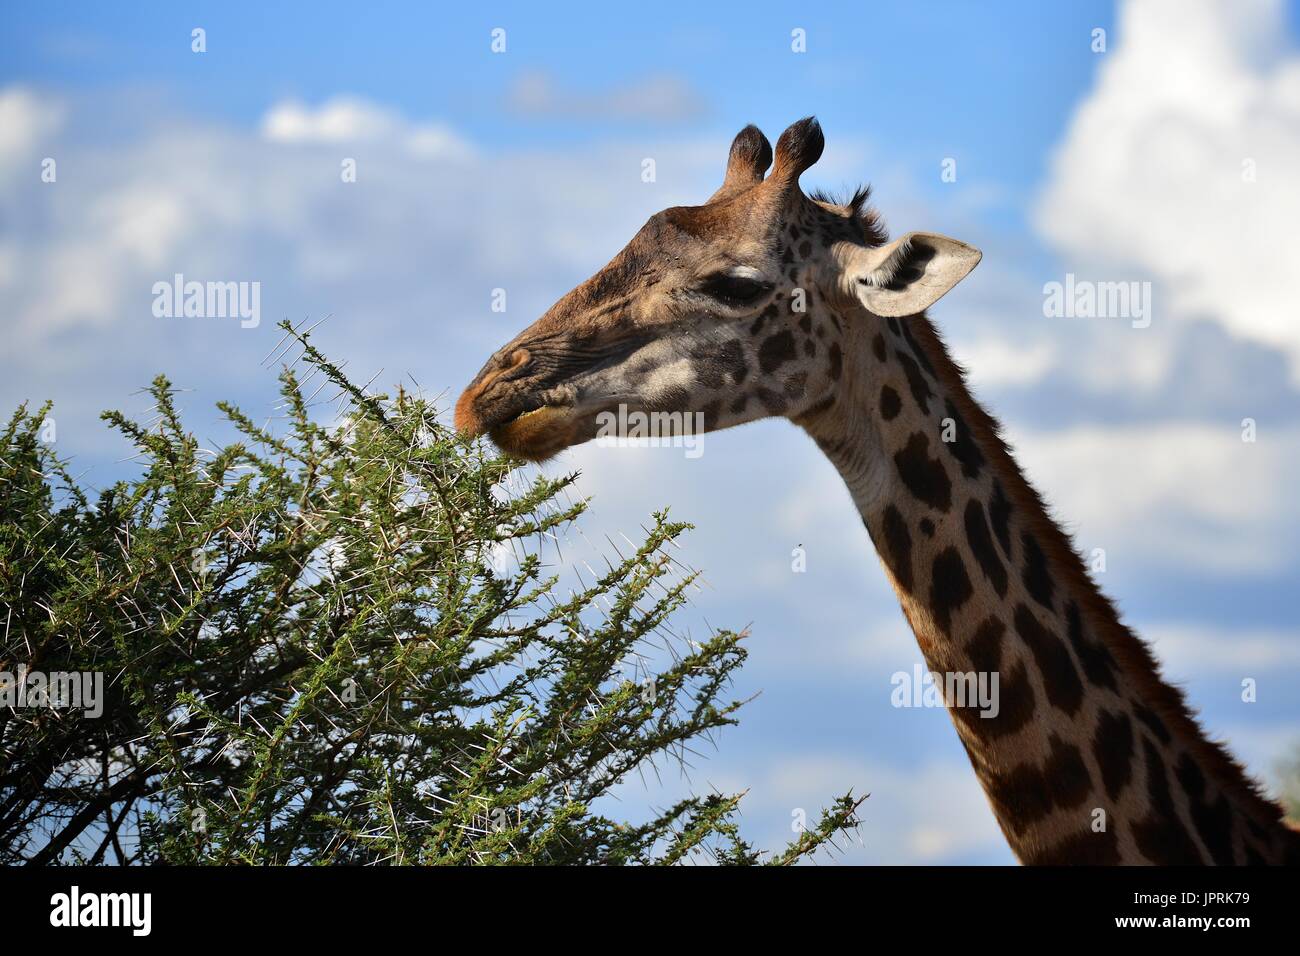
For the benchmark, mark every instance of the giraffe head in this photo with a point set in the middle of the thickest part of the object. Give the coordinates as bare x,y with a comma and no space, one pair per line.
738,309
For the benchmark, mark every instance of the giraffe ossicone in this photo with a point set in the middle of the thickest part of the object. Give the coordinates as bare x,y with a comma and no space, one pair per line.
767,302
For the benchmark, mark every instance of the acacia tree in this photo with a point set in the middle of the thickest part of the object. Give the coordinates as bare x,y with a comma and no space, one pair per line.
312,652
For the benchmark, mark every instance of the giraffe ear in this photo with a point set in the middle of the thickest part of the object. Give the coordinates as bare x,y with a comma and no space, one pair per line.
750,156
910,274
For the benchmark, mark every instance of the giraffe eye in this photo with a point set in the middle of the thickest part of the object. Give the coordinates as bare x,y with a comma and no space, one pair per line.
733,289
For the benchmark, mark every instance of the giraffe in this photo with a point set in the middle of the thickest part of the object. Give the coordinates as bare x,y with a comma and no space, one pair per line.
767,302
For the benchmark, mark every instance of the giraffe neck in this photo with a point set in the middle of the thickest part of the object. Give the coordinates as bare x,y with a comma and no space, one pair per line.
1091,757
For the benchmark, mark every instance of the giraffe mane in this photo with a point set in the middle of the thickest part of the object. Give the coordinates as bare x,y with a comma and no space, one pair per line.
855,207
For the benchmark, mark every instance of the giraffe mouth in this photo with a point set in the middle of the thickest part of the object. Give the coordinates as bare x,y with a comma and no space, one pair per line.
545,430
540,432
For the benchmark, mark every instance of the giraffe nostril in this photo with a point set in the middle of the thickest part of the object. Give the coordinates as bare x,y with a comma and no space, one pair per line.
516,361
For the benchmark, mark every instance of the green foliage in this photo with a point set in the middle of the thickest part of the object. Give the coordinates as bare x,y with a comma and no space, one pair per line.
312,653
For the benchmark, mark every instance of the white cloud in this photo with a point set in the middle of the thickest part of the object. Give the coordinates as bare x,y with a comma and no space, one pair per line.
1173,495
350,119
1199,649
412,249
1151,180
26,121
991,363
929,813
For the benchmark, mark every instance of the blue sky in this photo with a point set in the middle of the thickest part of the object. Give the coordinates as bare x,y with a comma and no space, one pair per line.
521,171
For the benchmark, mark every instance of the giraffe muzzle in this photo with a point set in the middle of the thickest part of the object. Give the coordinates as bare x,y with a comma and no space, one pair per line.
499,394
537,396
